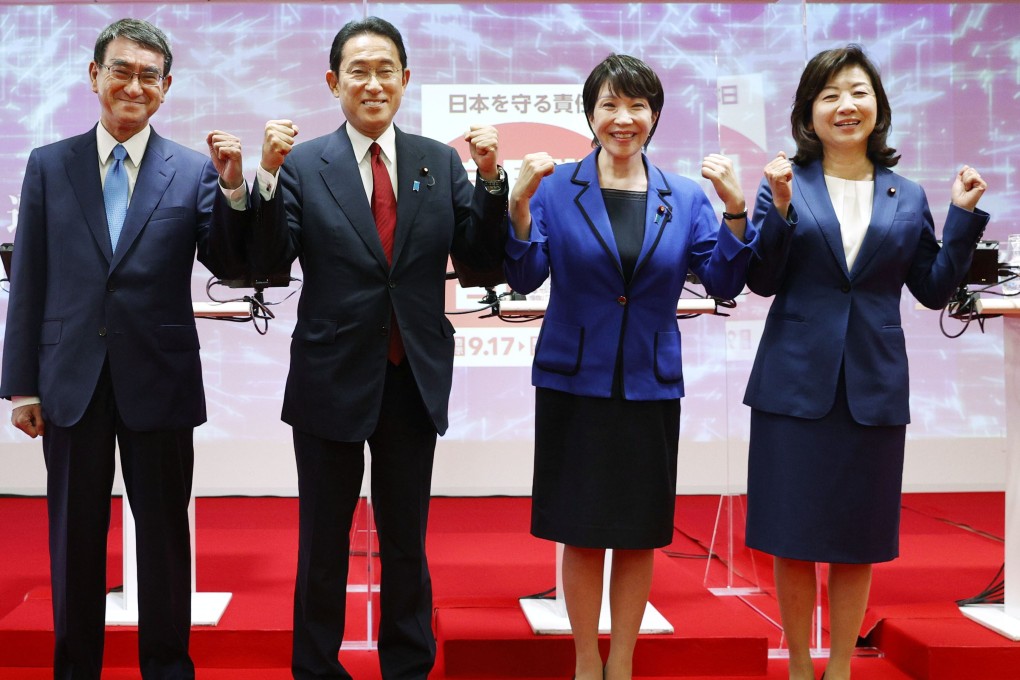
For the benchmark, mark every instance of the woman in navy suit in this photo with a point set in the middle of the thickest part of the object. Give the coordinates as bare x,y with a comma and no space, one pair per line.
617,236
841,234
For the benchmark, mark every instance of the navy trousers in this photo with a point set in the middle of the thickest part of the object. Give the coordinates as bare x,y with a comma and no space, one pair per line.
329,484
157,469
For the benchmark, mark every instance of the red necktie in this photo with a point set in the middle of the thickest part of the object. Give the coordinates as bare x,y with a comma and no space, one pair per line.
384,210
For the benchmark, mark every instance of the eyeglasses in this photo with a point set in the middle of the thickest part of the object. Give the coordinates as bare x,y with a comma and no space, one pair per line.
364,75
123,75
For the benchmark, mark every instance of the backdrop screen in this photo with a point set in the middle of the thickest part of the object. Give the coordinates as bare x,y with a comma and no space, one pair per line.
729,71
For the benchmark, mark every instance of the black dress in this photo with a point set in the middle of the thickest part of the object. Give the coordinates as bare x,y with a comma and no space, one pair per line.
605,469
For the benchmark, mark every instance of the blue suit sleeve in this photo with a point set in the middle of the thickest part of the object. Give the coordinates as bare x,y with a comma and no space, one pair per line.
527,262
935,272
767,269
274,240
718,257
479,239
221,230
27,289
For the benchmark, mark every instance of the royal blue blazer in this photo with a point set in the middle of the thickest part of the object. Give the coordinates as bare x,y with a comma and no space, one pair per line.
592,310
826,316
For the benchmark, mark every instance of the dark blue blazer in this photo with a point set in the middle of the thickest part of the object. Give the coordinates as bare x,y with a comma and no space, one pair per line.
321,215
825,316
74,303
592,310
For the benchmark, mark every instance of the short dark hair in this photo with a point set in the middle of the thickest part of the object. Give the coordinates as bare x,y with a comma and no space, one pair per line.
137,31
370,25
627,76
817,74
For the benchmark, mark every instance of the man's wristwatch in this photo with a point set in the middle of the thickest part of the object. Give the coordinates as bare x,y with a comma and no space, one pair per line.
496,185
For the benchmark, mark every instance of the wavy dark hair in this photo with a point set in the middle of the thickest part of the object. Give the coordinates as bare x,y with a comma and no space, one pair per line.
627,76
137,31
369,25
817,74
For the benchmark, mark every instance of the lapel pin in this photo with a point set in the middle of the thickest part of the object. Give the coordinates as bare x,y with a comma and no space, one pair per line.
892,191
416,186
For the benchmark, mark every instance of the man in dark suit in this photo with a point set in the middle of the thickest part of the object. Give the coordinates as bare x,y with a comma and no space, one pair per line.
372,352
101,344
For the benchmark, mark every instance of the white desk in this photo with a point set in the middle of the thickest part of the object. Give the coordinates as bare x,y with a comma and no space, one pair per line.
206,608
534,308
209,310
122,607
1004,306
1005,618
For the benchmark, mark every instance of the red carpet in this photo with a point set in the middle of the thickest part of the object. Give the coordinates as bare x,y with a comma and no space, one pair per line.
483,560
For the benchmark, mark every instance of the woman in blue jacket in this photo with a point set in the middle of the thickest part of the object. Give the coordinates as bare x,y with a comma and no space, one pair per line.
841,234
617,236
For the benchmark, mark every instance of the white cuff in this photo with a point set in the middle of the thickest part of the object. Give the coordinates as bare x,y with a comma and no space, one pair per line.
17,402
267,182
237,198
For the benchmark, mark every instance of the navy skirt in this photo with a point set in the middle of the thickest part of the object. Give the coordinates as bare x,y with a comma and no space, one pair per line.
825,490
605,471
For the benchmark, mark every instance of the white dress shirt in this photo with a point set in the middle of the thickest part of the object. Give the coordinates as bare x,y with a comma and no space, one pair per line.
852,201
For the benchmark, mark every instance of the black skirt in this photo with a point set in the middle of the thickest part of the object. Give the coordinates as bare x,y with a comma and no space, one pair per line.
605,471
825,490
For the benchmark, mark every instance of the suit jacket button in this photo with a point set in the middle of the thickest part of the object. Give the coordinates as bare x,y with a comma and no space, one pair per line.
845,288
622,300
391,284
384,331
102,332
110,288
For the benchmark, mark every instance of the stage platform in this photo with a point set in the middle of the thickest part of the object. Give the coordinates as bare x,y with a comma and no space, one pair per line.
483,560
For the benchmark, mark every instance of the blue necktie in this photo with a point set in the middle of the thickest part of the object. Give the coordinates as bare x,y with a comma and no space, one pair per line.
115,194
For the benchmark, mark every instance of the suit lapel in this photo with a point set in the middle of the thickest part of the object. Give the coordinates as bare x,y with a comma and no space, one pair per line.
154,177
882,212
87,186
410,161
810,182
593,207
343,179
658,213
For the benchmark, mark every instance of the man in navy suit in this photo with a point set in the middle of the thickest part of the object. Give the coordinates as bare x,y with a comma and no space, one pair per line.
101,345
372,351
